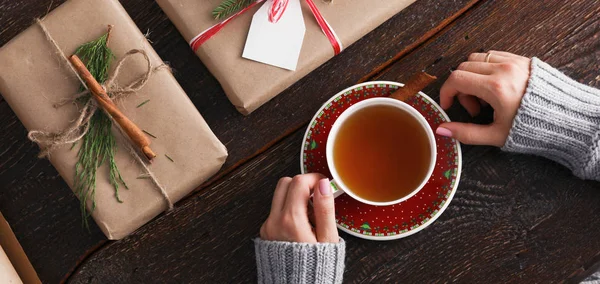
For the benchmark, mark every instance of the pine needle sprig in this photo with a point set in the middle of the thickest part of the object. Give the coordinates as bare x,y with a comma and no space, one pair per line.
99,144
230,7
97,57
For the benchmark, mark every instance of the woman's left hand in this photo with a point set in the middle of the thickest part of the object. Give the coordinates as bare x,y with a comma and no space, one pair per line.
496,78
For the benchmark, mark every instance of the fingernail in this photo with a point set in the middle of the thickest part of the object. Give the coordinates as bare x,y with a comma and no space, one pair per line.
443,132
325,187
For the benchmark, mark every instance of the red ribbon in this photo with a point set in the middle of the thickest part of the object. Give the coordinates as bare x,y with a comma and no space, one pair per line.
277,9
325,27
275,12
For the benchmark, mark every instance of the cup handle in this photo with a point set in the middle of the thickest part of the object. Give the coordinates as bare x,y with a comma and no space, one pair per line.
337,190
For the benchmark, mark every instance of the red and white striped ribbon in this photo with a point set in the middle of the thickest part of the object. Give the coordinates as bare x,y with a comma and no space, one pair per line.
326,28
202,37
277,9
275,12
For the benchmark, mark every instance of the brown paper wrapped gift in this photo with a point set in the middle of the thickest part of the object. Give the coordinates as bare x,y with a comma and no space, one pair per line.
14,264
8,274
249,84
33,77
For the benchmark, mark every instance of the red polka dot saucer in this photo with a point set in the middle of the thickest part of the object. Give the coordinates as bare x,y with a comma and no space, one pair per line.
394,221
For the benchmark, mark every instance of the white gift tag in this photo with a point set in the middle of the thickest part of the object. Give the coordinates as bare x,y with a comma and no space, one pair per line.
276,44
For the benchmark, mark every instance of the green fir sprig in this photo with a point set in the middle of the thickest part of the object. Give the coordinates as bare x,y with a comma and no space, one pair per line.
143,103
230,7
99,144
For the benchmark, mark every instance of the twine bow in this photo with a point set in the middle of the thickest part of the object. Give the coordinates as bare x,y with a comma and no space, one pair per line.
49,141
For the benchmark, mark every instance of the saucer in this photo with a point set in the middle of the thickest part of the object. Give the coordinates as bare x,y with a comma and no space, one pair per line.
394,221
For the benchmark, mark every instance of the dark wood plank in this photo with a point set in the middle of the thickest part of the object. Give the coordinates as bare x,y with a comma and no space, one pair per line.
215,241
566,37
42,209
497,229
514,218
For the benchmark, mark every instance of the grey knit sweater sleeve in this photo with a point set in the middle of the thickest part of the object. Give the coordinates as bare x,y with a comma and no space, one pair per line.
559,119
285,262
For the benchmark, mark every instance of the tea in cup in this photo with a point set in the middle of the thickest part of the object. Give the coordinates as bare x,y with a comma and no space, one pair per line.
380,151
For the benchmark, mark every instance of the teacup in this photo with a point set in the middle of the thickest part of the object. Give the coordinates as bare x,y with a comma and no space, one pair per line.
426,163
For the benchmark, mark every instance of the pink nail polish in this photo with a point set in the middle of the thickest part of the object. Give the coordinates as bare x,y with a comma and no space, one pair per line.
325,187
443,132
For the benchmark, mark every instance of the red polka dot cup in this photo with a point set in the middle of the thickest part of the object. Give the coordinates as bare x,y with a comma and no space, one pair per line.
338,185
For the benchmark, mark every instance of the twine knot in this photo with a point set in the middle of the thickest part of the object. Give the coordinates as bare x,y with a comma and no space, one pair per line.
49,141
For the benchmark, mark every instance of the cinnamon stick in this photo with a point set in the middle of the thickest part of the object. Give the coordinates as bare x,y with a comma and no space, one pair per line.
133,131
415,84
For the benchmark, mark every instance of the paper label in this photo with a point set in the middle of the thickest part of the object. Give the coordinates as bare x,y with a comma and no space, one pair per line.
276,44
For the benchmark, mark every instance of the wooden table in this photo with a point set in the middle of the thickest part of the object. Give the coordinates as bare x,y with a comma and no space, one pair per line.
514,218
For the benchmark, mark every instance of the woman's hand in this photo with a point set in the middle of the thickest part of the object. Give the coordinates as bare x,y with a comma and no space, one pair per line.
500,82
289,221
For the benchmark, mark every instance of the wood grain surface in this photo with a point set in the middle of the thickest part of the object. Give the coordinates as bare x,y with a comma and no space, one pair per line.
41,208
514,218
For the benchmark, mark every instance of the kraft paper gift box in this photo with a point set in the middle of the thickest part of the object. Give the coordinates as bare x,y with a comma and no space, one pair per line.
14,265
8,274
33,77
249,84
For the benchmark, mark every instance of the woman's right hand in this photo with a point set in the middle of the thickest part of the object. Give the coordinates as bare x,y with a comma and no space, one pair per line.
289,217
500,82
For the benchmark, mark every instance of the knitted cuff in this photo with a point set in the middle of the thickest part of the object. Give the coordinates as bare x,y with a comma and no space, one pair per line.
559,119
285,262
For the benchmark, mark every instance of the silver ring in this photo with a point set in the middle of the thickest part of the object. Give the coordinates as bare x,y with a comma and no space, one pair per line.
487,57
